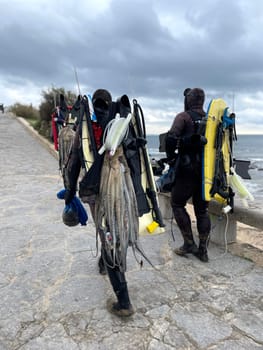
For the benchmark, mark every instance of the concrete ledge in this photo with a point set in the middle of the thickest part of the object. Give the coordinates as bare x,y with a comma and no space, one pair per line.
224,226
248,216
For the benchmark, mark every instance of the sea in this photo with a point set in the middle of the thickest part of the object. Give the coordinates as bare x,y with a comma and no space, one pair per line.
246,147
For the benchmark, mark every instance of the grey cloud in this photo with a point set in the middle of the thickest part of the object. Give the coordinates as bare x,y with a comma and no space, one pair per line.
148,49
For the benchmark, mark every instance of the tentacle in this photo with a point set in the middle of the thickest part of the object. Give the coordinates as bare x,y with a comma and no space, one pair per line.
117,210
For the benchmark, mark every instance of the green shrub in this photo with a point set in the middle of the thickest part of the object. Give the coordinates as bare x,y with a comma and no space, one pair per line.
25,111
41,119
50,99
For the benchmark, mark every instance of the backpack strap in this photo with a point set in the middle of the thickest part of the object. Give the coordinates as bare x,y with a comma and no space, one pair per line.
199,122
194,115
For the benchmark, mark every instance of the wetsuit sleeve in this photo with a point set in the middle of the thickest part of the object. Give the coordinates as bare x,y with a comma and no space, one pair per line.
174,134
74,164
178,126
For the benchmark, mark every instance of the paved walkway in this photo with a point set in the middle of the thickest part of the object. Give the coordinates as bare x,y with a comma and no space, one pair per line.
52,296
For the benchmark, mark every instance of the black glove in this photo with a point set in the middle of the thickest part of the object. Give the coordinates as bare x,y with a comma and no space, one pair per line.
171,145
141,141
203,140
69,195
198,140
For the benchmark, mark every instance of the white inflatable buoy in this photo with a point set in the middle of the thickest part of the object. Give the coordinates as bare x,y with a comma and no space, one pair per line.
239,187
115,132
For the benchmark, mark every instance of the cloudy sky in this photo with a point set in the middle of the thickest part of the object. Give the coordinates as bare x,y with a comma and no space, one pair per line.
149,49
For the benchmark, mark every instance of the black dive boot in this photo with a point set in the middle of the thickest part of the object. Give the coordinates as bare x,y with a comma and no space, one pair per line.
189,246
202,251
122,307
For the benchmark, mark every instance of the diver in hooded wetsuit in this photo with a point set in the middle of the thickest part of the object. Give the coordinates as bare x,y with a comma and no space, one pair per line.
104,111
183,137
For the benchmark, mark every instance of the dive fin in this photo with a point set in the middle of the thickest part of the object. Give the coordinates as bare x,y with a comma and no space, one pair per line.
241,167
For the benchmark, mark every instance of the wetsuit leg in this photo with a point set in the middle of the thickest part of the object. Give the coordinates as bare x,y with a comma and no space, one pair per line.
203,223
101,264
119,285
116,277
181,192
201,212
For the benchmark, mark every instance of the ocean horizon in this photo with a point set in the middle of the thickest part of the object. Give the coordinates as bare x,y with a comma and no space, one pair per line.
248,147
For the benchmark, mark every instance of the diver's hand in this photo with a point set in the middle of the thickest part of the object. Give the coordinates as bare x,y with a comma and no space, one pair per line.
141,141
198,140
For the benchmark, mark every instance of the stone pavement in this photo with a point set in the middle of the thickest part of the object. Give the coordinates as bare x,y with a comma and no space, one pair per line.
52,296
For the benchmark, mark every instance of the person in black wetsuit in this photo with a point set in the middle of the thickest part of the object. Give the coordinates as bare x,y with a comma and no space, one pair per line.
103,107
184,138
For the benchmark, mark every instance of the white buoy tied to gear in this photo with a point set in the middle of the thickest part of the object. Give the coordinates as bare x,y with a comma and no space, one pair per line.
239,187
115,132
